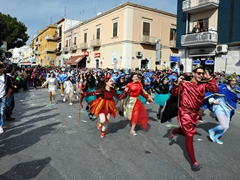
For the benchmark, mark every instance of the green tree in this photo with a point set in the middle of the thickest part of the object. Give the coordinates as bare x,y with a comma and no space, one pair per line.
12,31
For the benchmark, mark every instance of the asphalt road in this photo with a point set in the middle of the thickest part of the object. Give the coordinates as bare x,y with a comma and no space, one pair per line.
47,143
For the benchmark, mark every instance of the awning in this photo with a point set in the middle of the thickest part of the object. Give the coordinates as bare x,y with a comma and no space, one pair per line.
201,55
74,60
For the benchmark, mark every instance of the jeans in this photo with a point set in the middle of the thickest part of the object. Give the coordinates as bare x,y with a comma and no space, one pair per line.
8,109
2,107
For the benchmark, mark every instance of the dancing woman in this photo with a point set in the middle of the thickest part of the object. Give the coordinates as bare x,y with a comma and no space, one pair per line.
162,93
120,86
68,90
134,110
104,106
52,87
224,104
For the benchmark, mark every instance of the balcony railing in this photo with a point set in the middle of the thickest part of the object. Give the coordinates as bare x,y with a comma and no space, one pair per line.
83,45
37,43
49,49
199,5
96,42
172,43
147,39
49,37
65,49
203,38
73,47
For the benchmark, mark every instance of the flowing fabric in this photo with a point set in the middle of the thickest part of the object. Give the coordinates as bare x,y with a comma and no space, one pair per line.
161,99
101,105
134,110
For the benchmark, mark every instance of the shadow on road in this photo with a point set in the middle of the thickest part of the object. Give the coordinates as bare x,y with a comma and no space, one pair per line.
27,170
16,144
114,127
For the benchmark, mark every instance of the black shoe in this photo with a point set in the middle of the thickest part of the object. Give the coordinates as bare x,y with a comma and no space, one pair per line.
10,119
87,108
90,116
196,167
121,113
158,116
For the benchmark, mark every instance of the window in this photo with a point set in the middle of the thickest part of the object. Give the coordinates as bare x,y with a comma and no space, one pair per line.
146,29
173,34
85,37
75,40
115,29
60,31
98,33
67,43
202,22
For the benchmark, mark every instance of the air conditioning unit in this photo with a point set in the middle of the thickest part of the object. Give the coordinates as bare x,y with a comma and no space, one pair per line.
88,59
139,54
222,48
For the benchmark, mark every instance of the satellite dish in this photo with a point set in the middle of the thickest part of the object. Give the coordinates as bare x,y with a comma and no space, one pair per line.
99,13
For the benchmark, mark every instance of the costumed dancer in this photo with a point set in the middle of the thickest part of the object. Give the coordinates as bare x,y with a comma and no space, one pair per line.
68,90
162,93
120,86
89,86
61,79
191,100
104,106
52,87
224,104
134,110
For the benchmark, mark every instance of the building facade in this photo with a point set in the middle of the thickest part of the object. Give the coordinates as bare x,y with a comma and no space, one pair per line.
207,34
123,37
45,44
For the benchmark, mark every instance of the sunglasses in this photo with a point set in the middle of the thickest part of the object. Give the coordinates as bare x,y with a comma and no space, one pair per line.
200,73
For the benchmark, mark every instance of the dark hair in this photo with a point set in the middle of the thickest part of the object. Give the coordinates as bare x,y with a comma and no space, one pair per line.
9,69
133,74
195,70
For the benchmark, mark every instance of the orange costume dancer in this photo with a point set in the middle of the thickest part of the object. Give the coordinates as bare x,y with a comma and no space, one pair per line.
104,105
134,110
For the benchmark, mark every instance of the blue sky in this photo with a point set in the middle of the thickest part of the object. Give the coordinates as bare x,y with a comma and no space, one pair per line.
37,14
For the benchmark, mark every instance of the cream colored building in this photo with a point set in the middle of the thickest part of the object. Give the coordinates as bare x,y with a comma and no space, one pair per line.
123,37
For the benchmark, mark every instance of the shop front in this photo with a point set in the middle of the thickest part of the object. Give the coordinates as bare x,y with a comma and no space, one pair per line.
207,62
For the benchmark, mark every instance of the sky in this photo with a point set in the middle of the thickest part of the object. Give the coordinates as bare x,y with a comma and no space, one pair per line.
38,14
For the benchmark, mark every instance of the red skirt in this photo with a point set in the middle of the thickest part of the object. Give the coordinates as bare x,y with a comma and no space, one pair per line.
101,105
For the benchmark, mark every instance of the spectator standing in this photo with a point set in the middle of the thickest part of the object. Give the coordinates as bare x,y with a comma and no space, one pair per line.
5,88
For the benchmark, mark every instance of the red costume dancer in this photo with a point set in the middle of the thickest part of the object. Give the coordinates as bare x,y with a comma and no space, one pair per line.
134,110
192,97
104,106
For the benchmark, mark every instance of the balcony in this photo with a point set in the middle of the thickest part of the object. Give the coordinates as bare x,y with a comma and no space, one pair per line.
52,38
195,6
83,45
200,39
147,39
37,43
49,50
95,42
172,44
73,47
65,49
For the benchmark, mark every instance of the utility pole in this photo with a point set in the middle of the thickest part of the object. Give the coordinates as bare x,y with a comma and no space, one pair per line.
95,3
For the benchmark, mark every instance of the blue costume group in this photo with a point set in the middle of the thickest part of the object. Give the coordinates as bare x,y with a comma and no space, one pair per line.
223,104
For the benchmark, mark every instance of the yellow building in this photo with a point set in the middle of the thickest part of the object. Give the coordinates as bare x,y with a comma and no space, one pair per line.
45,45
123,37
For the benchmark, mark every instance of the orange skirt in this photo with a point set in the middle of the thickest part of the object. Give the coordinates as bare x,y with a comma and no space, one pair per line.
101,105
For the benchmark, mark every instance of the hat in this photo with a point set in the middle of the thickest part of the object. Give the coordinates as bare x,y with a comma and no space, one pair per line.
230,77
198,66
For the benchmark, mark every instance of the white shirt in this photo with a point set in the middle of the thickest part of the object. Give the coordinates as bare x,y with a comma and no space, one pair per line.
2,85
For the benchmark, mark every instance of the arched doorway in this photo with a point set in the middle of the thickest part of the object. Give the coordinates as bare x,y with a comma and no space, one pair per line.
97,63
145,63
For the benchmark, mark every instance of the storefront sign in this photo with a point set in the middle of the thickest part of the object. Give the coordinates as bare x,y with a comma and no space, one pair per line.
209,62
97,55
195,62
175,59
86,53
